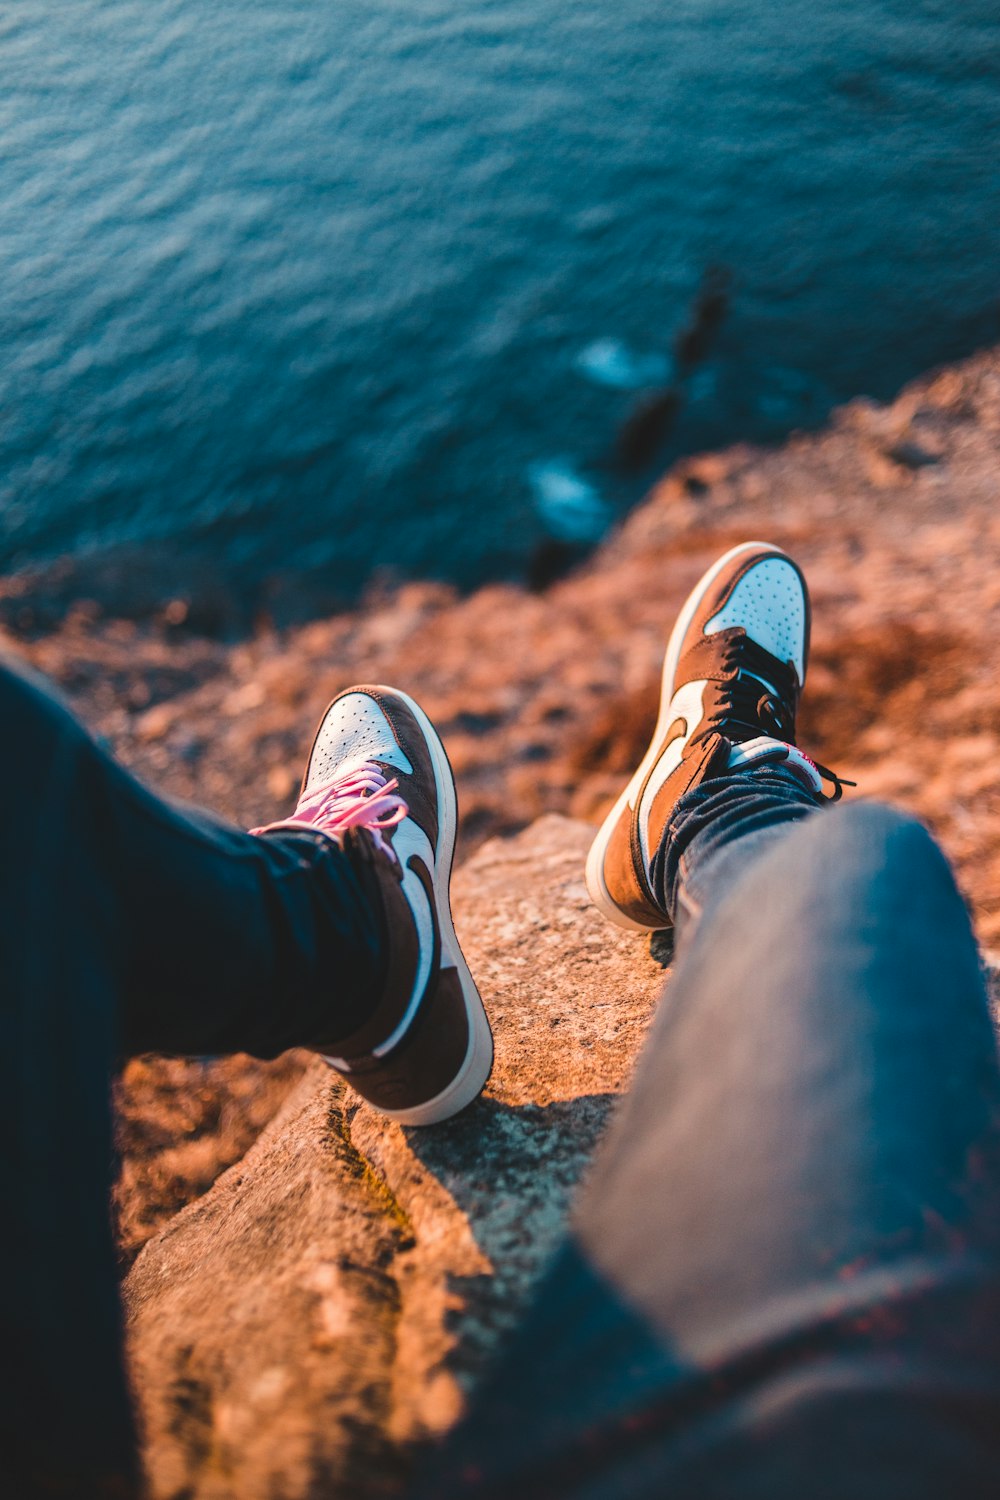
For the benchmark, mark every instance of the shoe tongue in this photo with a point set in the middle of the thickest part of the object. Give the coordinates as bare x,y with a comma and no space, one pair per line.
764,751
770,692
763,682
752,663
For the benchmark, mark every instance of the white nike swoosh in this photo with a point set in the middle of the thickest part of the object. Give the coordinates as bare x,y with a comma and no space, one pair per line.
409,839
687,704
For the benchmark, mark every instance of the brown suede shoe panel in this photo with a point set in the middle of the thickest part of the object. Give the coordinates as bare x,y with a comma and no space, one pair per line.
704,659
625,878
696,765
428,1058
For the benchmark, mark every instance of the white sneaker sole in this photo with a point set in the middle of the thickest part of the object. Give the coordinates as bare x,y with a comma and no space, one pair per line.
470,1080
596,883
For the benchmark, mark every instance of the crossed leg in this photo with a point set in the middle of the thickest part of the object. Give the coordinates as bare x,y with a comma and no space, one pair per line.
784,1273
126,925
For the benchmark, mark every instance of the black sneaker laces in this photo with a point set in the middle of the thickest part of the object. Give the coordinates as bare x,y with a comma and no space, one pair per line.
759,695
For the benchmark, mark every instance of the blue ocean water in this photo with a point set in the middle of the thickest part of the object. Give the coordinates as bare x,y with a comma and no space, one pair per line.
338,287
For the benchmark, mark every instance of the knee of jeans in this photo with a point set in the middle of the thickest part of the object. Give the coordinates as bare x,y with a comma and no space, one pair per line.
885,852
875,836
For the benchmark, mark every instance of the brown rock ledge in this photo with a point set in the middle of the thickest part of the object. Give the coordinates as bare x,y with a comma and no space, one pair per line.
336,1294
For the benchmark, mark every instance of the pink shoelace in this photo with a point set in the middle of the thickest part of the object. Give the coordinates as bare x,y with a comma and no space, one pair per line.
358,798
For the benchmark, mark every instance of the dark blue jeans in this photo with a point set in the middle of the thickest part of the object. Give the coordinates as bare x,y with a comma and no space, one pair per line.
126,925
783,1279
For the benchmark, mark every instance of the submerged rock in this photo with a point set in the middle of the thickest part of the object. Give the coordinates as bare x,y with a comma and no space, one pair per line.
611,363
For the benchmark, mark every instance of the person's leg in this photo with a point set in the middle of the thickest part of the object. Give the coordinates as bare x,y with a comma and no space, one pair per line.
818,1110
129,925
217,940
62,1386
784,1274
783,1278
124,926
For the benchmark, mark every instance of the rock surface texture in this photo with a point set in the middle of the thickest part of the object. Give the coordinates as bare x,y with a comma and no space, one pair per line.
333,1298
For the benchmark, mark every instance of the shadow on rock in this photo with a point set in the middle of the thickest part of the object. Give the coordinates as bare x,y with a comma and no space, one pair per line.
512,1172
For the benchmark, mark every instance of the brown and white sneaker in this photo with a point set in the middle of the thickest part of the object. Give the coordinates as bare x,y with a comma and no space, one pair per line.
379,782
732,676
